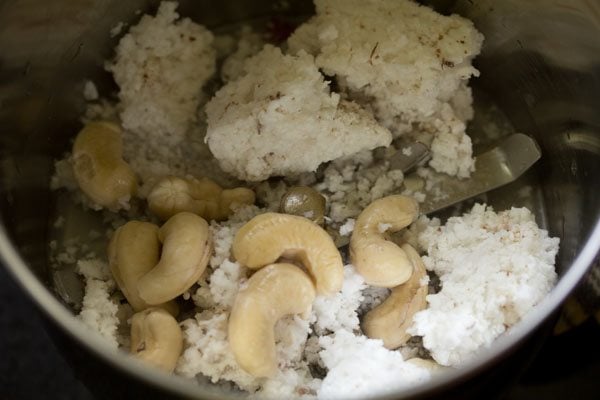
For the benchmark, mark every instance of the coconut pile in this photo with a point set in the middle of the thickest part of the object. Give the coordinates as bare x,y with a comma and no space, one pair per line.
211,134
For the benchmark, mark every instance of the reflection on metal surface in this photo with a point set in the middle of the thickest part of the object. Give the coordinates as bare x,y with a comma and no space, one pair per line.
410,156
497,167
69,287
582,141
556,29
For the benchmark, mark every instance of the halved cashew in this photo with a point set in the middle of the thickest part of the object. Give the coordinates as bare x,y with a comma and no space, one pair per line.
390,320
270,294
99,168
203,197
134,249
156,338
186,249
270,236
379,261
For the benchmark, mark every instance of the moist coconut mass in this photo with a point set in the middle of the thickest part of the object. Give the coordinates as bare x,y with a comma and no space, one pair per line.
229,170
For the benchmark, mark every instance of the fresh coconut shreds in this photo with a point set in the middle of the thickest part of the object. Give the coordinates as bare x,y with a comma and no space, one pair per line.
326,109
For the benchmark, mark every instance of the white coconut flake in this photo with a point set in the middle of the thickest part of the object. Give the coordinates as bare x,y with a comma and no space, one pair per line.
405,62
360,367
493,268
160,66
348,227
266,122
98,311
339,311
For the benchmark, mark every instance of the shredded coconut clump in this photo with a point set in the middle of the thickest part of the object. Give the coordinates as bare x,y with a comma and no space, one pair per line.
206,351
225,275
339,311
347,227
405,61
269,121
353,79
360,367
160,66
493,268
98,311
352,183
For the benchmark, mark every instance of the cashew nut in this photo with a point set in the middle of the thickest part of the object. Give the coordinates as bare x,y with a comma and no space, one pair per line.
156,338
232,198
379,261
271,236
99,168
186,249
304,201
133,251
270,294
204,197
390,320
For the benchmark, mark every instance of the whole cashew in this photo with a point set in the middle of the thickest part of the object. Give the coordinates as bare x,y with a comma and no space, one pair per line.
156,338
204,197
186,249
271,293
382,262
99,168
270,236
133,251
390,320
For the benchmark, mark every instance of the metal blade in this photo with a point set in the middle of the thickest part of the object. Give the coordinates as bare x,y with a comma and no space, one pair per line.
497,167
411,156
